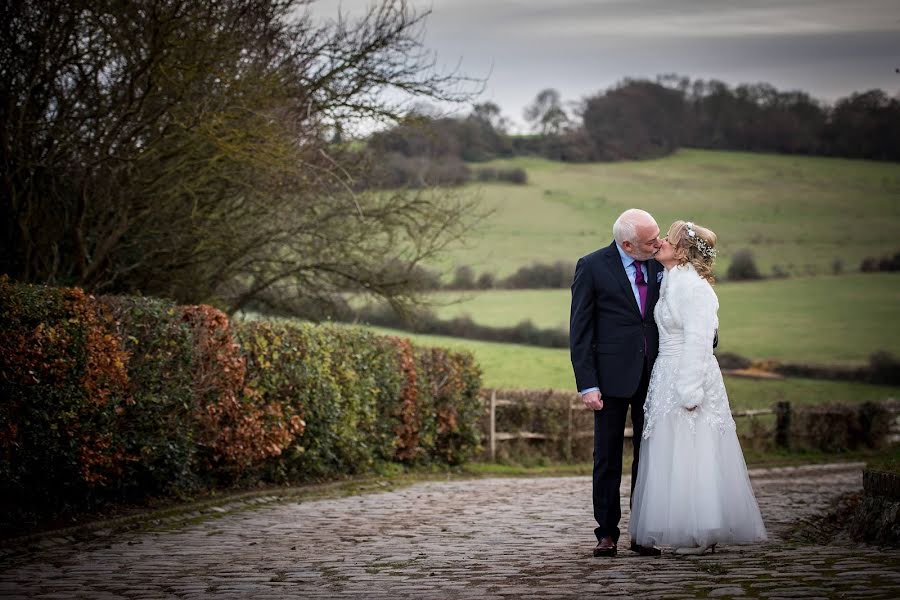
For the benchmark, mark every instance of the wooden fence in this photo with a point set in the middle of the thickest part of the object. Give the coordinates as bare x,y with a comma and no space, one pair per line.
570,403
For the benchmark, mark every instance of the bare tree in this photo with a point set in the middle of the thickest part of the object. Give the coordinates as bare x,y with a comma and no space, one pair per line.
490,114
546,113
183,148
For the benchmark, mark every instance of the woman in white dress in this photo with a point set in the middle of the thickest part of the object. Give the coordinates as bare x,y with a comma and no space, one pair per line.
692,489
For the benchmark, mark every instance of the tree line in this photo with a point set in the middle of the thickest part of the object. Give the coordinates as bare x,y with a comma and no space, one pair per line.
639,118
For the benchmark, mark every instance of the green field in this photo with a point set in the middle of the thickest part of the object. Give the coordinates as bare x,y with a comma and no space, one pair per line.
800,213
803,214
826,319
517,366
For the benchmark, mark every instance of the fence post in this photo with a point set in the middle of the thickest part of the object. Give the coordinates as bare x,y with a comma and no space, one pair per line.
493,432
783,424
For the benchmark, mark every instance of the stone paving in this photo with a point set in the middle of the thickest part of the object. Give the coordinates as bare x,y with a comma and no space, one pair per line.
485,538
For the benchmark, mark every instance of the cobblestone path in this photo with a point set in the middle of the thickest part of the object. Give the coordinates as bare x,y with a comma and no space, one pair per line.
487,538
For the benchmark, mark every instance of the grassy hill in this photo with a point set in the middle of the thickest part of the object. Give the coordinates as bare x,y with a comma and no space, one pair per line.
800,213
826,319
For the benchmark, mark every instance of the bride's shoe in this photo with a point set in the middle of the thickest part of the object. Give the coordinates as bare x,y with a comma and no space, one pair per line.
695,550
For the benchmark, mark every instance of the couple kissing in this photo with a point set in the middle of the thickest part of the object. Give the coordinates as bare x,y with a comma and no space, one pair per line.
642,329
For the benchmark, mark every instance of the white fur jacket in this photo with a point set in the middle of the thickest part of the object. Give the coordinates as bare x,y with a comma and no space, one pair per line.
686,373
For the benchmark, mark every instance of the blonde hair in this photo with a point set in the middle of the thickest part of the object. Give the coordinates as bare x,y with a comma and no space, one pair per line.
689,249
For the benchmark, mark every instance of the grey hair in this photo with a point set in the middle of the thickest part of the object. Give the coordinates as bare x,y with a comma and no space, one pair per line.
625,227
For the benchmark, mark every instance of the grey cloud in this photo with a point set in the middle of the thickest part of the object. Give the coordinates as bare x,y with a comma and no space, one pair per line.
669,17
828,48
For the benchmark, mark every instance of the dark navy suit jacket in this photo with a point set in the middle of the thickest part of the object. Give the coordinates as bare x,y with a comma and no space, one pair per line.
606,330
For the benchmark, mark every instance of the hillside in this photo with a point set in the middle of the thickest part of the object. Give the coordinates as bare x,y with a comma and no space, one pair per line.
801,214
824,319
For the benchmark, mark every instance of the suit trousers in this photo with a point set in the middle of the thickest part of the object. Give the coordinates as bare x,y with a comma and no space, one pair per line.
609,440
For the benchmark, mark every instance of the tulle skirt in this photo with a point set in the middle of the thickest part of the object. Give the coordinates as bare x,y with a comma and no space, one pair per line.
692,488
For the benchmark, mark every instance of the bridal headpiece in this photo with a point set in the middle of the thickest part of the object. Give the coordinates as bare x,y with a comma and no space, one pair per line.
705,249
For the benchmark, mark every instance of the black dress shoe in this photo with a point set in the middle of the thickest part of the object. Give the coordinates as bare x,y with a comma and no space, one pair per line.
605,547
645,550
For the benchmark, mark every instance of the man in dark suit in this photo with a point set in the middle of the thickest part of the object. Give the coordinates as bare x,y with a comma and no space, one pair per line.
613,341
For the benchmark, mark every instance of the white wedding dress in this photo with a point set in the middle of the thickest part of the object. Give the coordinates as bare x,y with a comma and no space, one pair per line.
692,486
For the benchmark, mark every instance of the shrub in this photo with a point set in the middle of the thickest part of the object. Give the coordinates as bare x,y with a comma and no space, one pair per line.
743,267
408,412
516,175
64,389
395,170
365,399
450,402
486,174
574,145
541,276
123,398
157,428
842,427
463,279
194,422
485,281
236,426
884,368
813,371
730,360
871,264
868,265
837,266
889,263
333,383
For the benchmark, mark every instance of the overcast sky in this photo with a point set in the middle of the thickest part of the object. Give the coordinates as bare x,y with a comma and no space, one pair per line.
829,48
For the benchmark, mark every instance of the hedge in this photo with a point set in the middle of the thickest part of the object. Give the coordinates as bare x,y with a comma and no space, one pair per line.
112,399
63,397
841,427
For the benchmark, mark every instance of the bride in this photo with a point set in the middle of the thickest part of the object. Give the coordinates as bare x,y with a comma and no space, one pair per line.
692,488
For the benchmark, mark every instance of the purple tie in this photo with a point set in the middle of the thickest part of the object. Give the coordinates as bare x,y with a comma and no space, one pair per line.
641,284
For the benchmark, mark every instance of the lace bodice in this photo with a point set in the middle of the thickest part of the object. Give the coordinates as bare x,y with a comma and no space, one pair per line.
686,372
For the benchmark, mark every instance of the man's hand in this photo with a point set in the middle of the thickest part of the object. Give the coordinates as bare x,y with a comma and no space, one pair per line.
592,400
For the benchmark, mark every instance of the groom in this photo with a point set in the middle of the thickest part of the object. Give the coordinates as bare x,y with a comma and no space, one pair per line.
613,341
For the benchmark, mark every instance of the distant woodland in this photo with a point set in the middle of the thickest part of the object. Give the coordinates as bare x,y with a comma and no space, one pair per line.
640,119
